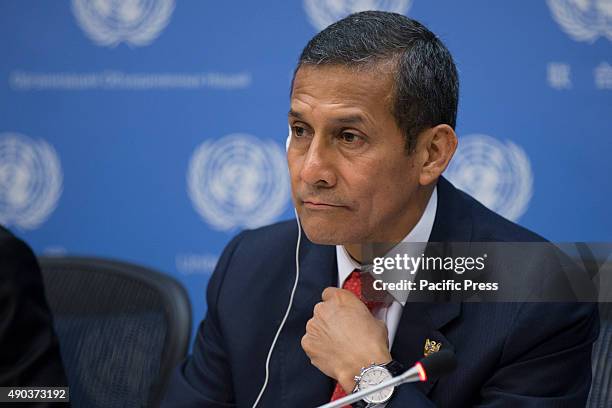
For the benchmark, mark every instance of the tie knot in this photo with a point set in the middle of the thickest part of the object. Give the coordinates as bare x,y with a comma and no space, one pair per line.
360,284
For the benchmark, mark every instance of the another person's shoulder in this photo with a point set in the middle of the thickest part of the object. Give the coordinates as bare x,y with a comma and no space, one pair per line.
6,235
7,238
15,255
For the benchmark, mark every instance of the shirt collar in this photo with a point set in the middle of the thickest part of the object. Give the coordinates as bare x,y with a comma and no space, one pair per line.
420,233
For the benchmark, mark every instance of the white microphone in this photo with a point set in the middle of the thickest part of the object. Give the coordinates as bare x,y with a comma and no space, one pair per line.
432,366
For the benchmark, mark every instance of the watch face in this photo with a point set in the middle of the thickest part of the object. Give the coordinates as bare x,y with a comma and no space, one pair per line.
374,376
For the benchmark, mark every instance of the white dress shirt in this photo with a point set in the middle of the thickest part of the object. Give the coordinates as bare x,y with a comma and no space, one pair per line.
420,233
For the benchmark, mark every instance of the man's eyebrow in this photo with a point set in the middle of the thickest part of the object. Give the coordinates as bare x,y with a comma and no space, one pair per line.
295,114
346,120
349,120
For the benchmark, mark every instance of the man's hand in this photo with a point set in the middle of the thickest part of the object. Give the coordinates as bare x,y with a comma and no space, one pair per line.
343,336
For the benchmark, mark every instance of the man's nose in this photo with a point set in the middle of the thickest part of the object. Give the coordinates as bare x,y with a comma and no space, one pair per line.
318,168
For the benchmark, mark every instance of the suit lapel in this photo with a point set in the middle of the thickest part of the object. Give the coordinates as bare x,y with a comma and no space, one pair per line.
425,319
420,322
302,384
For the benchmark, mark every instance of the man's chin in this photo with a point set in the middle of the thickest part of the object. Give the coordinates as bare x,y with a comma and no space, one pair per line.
325,235
322,240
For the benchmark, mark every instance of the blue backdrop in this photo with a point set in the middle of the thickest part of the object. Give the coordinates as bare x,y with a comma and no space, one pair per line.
153,130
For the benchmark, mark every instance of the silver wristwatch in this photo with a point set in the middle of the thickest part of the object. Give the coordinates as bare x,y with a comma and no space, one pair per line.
372,375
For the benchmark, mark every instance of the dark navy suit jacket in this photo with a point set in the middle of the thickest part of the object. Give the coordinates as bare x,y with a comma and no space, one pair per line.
509,354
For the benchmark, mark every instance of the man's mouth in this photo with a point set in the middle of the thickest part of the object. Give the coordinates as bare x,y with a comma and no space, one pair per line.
320,205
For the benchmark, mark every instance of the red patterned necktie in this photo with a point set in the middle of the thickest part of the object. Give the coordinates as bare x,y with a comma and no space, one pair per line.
354,283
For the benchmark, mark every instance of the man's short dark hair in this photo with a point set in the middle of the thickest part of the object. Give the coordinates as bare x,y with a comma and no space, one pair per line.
426,87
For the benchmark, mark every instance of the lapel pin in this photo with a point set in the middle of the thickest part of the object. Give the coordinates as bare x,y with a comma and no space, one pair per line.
431,346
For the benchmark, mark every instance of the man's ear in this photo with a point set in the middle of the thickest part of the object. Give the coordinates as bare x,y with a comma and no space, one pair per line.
440,145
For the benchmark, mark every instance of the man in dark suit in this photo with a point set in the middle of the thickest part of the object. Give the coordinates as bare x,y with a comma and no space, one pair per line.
29,349
373,109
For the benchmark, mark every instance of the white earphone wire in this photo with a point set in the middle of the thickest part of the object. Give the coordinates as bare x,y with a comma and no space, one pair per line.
280,328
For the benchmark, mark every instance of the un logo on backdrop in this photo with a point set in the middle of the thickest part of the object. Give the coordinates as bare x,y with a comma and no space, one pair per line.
238,181
324,12
109,22
497,174
30,180
583,20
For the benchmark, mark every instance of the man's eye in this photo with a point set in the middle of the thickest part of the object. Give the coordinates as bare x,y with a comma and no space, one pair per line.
298,131
349,137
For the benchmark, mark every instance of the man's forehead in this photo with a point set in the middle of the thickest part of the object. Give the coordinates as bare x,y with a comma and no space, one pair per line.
340,88
378,73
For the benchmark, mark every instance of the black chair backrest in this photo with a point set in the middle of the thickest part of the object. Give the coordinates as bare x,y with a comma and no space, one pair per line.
122,329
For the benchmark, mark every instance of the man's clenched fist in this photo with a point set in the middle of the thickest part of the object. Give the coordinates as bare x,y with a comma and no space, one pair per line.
343,336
